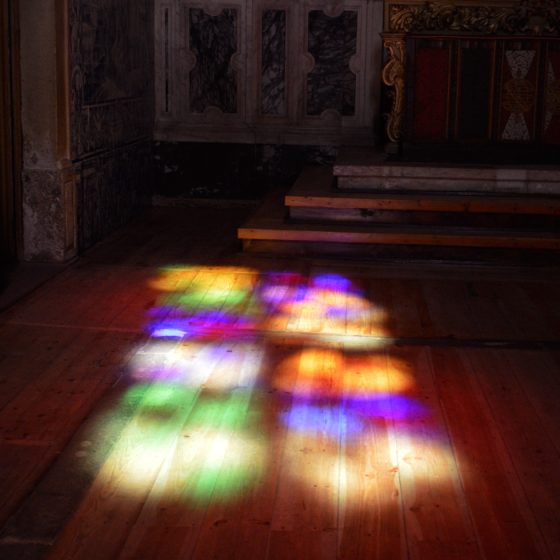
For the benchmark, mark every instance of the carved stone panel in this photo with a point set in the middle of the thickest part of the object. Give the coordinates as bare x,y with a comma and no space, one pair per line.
270,71
213,43
273,62
332,42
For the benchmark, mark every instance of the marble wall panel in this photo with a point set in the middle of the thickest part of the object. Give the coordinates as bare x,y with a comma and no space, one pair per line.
213,41
265,71
273,63
332,41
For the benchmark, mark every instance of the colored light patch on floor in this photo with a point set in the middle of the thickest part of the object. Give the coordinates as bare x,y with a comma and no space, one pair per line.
229,465
335,282
224,411
209,463
304,372
322,311
147,439
199,429
137,465
204,443
201,325
167,360
389,406
207,298
277,296
221,321
218,366
333,421
182,277
171,328
160,402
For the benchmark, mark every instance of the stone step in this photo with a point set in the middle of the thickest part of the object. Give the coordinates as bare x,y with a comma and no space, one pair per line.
316,217
363,169
314,189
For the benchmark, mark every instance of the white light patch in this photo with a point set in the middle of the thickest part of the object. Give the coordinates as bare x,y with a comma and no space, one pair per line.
218,366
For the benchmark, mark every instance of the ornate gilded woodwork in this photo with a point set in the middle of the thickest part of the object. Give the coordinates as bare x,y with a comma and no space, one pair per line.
464,18
526,17
393,76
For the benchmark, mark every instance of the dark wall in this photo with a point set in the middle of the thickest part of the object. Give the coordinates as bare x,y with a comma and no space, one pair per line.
231,171
111,55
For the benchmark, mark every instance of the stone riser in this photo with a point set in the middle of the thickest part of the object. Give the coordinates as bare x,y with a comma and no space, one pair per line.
364,170
447,184
298,214
378,253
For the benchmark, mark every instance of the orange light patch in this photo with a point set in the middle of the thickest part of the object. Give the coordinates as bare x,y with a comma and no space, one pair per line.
328,373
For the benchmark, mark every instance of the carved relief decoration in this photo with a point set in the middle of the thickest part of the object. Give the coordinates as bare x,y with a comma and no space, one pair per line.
528,17
393,76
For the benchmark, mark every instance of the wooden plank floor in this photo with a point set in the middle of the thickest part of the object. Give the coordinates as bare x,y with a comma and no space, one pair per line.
168,397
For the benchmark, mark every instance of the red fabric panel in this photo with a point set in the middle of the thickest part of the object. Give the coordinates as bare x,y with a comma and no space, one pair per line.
431,85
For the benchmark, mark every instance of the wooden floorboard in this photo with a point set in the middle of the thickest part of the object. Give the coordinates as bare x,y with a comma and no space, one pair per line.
295,410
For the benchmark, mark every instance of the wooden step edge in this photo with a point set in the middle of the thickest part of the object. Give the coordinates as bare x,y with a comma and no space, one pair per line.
512,240
479,205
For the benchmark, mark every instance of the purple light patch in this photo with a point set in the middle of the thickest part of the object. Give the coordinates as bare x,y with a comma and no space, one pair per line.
335,282
336,312
283,287
216,321
388,406
201,324
160,311
168,333
177,329
276,295
323,419
285,278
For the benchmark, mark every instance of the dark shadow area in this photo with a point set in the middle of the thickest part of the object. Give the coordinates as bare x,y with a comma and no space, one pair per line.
491,155
231,171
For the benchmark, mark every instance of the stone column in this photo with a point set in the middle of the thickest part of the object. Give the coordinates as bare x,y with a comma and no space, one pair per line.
48,182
